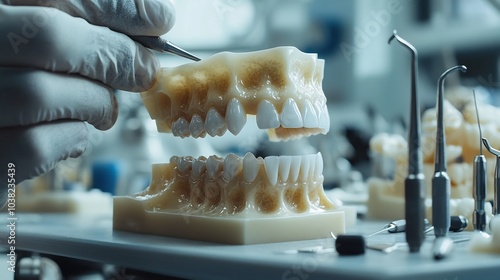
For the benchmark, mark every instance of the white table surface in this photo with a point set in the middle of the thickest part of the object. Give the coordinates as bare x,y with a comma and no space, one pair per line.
92,238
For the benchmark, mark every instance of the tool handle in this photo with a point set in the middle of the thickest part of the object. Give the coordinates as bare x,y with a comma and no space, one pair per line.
496,183
415,211
458,223
441,203
398,226
479,192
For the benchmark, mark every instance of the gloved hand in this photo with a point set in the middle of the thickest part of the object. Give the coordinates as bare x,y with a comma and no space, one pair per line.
59,64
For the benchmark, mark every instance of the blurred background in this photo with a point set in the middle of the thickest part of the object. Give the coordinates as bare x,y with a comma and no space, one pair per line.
366,81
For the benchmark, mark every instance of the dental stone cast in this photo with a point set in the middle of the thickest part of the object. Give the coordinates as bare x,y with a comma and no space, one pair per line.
281,86
240,200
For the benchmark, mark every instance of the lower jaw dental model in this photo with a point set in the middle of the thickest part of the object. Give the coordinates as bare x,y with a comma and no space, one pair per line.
237,200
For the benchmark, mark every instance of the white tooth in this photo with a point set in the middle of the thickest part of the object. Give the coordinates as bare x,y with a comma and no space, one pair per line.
214,165
309,116
236,117
198,167
267,116
180,128
174,160
196,126
304,167
250,167
215,123
271,164
324,119
184,163
312,166
232,166
318,170
284,171
290,115
295,168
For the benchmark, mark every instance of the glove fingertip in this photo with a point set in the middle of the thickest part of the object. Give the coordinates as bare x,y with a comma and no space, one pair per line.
146,66
160,14
109,115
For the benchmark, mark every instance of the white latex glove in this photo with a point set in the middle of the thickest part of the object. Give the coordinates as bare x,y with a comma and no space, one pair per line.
59,64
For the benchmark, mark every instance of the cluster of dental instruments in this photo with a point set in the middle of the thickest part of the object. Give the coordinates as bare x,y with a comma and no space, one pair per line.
414,183
415,225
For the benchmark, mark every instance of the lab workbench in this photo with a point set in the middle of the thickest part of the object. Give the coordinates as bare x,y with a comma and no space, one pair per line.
92,238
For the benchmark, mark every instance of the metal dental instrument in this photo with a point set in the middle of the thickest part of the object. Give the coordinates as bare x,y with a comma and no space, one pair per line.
414,182
159,44
479,181
441,180
394,227
457,224
496,197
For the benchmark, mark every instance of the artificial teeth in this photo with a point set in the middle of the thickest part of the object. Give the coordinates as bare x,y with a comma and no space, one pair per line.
290,115
309,116
304,167
267,116
324,119
250,167
214,165
198,167
318,170
196,127
184,164
215,123
236,117
295,168
232,166
284,169
271,164
180,128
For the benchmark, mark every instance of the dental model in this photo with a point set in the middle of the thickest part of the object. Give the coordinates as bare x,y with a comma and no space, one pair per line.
237,200
386,196
281,86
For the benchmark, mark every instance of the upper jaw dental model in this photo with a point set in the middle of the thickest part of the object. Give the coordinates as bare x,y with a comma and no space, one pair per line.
237,200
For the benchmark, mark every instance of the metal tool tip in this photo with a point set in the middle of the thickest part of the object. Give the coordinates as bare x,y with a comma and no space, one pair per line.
463,68
394,34
486,144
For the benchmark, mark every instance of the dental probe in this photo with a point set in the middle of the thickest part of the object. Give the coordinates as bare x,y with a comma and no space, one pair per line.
479,181
441,180
159,44
496,197
414,182
394,227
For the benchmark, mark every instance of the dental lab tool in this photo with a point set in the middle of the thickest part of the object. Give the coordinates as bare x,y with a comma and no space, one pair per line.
394,227
349,244
496,196
441,180
479,181
457,224
414,182
387,247
442,247
162,45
